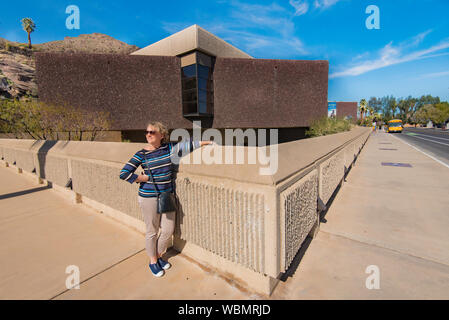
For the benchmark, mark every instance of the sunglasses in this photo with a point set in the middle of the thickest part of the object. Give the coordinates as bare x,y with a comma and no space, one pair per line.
151,132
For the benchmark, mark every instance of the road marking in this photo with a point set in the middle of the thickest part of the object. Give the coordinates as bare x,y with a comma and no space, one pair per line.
426,135
431,157
446,144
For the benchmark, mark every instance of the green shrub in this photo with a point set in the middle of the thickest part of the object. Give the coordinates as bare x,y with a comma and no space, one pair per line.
325,126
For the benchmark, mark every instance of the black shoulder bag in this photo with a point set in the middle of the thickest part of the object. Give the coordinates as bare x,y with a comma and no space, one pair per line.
165,200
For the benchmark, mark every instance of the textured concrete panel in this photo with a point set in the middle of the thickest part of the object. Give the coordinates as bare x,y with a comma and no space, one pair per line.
99,181
25,160
9,154
53,168
331,173
349,155
299,209
226,221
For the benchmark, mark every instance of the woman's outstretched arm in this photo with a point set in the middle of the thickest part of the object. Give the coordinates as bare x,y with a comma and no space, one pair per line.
185,147
127,172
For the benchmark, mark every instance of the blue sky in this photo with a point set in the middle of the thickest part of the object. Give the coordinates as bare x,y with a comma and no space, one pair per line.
408,55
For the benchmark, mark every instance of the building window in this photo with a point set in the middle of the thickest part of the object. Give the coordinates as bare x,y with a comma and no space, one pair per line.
197,84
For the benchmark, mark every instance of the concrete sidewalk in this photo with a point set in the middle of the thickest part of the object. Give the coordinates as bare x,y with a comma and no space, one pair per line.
41,233
393,217
396,218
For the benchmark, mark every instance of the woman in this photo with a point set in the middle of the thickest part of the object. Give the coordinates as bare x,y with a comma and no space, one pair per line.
157,156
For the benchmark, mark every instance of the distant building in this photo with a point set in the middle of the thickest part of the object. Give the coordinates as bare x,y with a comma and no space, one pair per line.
190,75
347,110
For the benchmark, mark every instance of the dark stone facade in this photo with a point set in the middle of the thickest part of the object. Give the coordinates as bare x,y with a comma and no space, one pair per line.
347,109
269,93
248,93
134,89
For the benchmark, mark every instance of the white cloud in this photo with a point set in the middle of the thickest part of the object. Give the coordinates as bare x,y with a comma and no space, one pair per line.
419,37
391,55
434,74
258,8
324,4
254,28
301,6
173,27
252,42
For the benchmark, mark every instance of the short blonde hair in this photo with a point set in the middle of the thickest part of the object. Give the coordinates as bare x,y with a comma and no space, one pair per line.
161,128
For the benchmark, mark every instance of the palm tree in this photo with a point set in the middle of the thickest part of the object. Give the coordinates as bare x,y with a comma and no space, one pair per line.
362,108
29,26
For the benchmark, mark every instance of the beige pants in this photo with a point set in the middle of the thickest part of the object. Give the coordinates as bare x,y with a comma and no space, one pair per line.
154,220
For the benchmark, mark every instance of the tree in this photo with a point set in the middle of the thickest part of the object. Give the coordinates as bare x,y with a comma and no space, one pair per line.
428,99
42,121
443,107
29,26
429,112
392,105
376,104
362,108
406,108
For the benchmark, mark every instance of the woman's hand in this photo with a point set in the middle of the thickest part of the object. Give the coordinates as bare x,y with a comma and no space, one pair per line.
204,143
142,178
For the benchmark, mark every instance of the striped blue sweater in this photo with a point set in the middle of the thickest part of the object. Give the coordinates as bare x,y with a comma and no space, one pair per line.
159,161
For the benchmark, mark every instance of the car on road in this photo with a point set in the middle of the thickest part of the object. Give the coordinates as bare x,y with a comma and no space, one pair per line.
395,125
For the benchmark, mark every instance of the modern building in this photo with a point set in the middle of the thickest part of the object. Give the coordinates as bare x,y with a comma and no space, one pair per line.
347,110
190,75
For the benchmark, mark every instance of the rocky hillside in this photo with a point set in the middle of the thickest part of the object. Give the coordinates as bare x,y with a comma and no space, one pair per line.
17,67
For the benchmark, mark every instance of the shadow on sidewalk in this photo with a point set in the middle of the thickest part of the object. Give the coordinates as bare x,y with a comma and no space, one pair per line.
296,260
21,193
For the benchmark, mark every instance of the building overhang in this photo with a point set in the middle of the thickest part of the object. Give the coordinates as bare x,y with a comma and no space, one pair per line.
193,38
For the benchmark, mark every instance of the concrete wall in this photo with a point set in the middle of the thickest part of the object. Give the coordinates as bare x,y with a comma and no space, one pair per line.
232,219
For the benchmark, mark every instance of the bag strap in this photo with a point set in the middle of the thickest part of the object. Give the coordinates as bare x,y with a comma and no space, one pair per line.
149,171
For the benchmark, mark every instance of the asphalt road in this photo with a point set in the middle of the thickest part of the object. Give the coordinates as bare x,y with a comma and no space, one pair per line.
434,142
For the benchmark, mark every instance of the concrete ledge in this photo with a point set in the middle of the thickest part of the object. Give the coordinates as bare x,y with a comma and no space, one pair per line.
119,216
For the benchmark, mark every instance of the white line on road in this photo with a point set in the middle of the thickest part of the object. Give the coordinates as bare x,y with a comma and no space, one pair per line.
426,135
432,157
414,136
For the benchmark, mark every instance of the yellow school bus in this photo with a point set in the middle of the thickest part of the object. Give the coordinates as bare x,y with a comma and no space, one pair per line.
394,125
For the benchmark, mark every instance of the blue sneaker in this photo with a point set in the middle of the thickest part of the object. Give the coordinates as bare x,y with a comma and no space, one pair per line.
156,270
163,264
